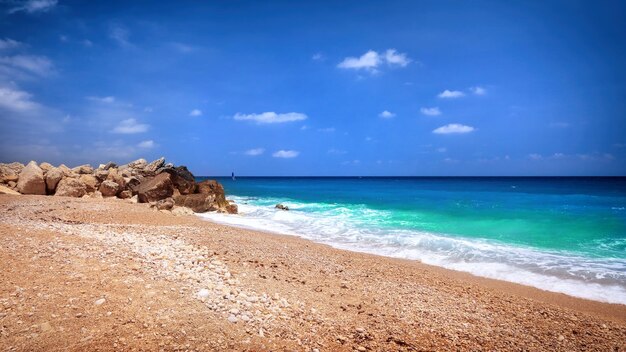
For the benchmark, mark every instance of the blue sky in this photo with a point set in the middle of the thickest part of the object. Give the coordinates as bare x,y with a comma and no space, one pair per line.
318,88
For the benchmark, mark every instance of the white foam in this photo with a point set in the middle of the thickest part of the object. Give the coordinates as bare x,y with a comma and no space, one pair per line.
595,279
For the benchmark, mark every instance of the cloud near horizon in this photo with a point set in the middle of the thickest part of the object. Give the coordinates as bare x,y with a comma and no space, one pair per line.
271,117
254,152
451,94
454,128
149,144
16,100
430,111
32,6
286,154
371,60
130,126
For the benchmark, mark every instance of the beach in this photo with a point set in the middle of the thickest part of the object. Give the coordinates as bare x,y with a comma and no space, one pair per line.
105,274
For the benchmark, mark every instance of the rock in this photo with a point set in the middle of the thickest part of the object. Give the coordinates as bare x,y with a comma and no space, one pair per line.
232,318
155,188
6,190
101,174
125,194
126,172
45,166
109,188
181,211
8,174
232,209
90,181
99,302
109,165
53,176
165,204
203,293
134,199
199,203
31,180
182,179
155,165
83,169
71,187
67,172
215,188
133,183
12,184
281,207
137,164
117,178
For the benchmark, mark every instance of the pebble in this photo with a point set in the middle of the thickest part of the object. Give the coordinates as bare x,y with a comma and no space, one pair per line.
203,293
99,302
232,318
561,337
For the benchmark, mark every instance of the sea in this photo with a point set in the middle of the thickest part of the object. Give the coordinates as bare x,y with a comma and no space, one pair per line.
558,234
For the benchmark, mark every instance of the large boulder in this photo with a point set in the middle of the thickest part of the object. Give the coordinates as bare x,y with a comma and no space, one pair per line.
199,202
232,208
67,172
45,166
155,165
10,172
116,177
155,188
90,181
109,188
101,174
31,180
137,164
53,176
165,204
7,190
71,187
215,188
182,179
132,183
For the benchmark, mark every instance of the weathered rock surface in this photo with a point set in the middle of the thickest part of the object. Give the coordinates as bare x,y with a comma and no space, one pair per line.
83,169
31,180
7,190
10,172
108,188
116,177
198,202
232,208
155,188
53,176
71,187
165,204
155,165
215,188
45,166
281,207
90,181
182,179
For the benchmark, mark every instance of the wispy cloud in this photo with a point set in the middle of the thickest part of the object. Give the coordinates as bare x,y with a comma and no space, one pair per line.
149,144
442,150
286,154
327,129
386,115
130,126
451,94
8,44
595,156
453,128
336,151
106,100
120,35
318,57
254,152
16,100
195,112
478,90
371,60
33,6
37,65
183,48
430,111
271,117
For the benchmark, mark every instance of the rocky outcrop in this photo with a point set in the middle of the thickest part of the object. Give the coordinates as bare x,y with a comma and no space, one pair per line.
155,188
165,186
7,190
31,180
281,207
71,187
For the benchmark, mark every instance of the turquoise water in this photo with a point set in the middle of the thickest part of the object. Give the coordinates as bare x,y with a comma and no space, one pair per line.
560,234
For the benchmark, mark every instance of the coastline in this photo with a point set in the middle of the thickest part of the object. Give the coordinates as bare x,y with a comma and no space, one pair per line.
333,299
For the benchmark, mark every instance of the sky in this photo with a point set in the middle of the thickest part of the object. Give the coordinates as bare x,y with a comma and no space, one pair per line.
318,88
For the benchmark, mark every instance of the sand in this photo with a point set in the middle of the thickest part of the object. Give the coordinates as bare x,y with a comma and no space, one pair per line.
86,274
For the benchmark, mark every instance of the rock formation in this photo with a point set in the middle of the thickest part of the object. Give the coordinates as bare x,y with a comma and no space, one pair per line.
165,186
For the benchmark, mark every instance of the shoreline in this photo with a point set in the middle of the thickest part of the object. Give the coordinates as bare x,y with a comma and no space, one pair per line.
614,311
264,291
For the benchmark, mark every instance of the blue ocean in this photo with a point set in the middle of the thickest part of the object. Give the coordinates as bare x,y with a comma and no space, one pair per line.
564,235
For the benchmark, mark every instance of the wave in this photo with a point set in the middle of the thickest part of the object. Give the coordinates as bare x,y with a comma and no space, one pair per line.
359,228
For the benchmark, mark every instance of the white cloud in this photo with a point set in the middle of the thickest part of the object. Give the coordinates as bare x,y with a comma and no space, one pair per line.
146,144
195,112
32,6
453,128
372,59
39,65
368,61
430,111
318,57
286,154
396,59
107,100
386,114
451,94
16,100
478,90
254,152
130,126
304,128
271,117
120,35
7,44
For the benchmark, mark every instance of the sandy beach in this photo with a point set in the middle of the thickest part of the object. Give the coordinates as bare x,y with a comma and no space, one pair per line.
94,274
